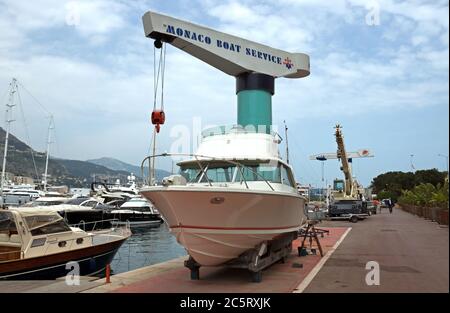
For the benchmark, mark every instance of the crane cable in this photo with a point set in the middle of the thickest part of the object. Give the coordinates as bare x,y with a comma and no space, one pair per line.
158,115
158,73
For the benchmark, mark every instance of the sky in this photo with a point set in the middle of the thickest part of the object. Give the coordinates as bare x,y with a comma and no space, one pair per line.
380,68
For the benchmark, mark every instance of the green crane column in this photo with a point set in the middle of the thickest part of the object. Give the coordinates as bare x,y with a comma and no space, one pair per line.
254,92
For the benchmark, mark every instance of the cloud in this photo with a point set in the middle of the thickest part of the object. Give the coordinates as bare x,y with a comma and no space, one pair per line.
94,20
95,73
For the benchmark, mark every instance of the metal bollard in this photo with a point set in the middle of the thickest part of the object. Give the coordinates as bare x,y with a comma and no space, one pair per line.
108,273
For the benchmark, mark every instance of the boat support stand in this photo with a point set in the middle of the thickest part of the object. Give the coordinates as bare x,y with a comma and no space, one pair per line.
255,260
264,255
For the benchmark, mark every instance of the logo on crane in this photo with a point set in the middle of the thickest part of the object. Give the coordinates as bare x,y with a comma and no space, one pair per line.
288,63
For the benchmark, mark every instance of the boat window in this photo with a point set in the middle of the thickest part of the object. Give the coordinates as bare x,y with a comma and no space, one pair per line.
91,203
7,224
259,172
46,224
191,174
219,172
285,177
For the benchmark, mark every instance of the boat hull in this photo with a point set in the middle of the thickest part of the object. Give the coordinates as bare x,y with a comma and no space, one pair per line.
217,226
91,260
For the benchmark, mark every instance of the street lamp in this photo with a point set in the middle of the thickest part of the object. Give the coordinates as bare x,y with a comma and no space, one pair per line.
411,161
446,157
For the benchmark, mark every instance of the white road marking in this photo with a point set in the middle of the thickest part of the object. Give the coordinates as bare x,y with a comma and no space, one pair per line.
300,288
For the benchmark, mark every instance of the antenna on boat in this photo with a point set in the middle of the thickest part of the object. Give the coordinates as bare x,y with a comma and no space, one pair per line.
8,120
50,127
287,142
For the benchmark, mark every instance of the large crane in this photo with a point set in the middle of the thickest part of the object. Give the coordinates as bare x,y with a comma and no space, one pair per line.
350,187
347,194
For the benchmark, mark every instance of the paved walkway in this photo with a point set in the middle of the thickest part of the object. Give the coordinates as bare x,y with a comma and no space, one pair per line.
413,254
172,276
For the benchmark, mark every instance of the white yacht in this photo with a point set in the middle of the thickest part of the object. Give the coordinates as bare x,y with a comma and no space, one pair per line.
233,195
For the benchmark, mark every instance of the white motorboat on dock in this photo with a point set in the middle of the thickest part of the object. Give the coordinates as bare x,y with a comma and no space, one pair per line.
239,196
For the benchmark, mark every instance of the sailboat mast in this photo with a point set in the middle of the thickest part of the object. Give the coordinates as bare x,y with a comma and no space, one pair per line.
9,120
287,142
50,127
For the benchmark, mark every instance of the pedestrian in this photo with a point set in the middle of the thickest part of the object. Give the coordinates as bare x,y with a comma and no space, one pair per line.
390,205
376,203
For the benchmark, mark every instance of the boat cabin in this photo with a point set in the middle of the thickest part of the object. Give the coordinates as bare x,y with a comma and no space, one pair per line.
30,233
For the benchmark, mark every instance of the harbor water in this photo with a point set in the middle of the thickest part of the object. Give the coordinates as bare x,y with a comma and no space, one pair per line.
145,247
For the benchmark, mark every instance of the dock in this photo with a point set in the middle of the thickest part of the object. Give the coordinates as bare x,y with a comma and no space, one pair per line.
413,254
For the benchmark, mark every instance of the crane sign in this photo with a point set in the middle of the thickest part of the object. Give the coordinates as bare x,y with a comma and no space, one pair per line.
254,65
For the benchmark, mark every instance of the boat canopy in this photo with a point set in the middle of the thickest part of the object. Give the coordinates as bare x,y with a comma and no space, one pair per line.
27,212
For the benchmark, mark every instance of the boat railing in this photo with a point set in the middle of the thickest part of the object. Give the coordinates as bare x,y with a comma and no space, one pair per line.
82,224
203,169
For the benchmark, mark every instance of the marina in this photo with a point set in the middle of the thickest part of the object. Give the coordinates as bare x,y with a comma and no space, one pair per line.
346,248
231,207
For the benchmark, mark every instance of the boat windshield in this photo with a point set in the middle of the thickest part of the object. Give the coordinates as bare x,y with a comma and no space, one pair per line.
46,224
223,172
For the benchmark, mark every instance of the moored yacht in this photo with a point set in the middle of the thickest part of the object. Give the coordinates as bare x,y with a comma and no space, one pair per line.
137,212
38,244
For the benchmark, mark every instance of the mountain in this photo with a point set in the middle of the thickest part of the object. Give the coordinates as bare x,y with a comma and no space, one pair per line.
72,173
118,165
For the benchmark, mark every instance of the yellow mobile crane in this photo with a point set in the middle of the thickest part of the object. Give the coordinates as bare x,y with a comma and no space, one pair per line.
347,198
349,189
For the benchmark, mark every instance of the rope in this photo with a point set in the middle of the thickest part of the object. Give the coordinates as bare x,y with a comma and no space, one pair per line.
46,111
156,75
163,55
27,133
34,98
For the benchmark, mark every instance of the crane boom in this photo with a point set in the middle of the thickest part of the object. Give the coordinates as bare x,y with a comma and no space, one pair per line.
255,66
228,53
342,155
362,153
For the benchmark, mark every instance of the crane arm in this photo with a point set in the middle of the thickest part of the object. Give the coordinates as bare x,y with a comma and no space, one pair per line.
362,153
230,54
342,155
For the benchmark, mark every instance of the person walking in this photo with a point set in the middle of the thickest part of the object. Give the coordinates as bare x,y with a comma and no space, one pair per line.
390,205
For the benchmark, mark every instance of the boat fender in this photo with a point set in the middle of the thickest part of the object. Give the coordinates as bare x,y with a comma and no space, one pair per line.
174,180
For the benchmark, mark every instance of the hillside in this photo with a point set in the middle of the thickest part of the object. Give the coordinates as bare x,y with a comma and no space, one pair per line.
118,165
72,173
